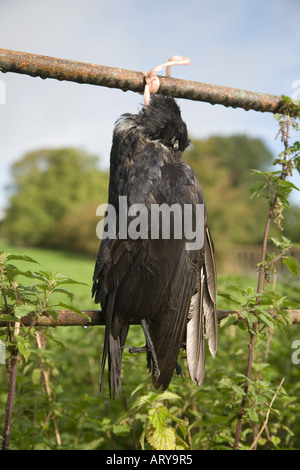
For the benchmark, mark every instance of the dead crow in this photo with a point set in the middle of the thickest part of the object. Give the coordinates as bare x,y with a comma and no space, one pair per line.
158,279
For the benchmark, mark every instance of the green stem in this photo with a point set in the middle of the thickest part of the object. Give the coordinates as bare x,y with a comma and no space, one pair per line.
285,139
253,334
10,400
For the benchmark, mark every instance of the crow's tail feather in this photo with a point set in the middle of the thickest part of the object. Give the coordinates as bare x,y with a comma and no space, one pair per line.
114,340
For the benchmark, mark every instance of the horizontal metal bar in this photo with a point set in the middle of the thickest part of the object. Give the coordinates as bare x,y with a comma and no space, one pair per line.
69,318
80,72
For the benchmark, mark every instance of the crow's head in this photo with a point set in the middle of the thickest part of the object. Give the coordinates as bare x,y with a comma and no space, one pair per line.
162,121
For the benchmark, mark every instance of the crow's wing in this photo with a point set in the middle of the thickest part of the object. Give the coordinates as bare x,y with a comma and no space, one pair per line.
155,279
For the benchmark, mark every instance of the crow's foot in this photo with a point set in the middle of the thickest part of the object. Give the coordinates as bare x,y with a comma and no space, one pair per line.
179,370
133,350
151,350
152,362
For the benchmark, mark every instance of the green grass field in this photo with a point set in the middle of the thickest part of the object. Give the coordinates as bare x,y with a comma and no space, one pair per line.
76,266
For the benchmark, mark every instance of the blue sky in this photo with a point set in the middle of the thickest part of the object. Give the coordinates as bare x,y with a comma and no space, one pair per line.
249,44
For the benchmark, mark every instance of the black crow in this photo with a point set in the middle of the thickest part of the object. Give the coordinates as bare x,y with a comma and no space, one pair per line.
157,280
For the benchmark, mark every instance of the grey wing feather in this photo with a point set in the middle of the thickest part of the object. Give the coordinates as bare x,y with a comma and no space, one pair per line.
202,322
210,297
195,335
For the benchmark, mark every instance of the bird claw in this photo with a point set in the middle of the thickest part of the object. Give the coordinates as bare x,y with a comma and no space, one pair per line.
153,365
149,348
133,350
179,371
151,351
156,372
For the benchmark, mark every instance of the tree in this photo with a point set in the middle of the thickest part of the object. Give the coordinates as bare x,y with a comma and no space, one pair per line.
47,185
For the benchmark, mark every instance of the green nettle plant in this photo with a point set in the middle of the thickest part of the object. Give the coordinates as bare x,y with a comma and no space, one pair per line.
265,309
246,402
18,301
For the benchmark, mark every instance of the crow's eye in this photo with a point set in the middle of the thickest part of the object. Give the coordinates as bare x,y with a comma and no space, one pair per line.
176,144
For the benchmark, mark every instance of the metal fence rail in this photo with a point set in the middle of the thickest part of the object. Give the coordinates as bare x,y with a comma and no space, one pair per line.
42,66
70,318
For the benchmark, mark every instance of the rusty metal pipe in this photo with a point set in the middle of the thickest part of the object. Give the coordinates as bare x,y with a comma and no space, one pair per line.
69,318
80,72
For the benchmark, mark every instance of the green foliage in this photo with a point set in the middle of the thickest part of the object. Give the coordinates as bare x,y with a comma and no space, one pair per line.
160,428
54,196
17,301
265,308
197,418
20,298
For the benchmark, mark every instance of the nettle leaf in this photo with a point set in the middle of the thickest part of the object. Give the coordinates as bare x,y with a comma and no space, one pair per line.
292,264
166,395
253,416
164,439
181,424
74,309
66,292
158,417
267,320
229,320
22,346
227,296
5,317
11,272
23,310
288,184
28,274
121,429
55,340
226,382
257,188
281,244
160,436
13,257
258,172
61,279
41,276
140,401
